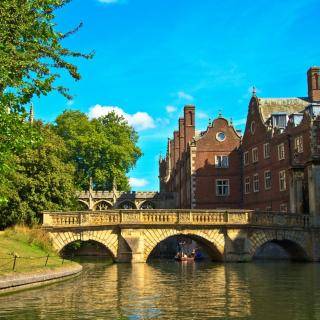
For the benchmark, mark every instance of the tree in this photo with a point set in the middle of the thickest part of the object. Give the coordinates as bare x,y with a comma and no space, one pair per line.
31,51
103,149
31,59
43,180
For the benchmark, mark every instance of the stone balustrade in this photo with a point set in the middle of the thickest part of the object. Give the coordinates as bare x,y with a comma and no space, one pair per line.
173,217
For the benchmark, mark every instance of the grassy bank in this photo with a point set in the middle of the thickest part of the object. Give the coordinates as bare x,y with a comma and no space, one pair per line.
30,248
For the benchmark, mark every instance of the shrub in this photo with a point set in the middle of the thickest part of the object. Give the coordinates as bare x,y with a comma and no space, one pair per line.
34,236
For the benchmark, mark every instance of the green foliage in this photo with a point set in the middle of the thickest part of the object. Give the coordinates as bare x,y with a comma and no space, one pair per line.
31,51
32,236
103,149
31,59
43,180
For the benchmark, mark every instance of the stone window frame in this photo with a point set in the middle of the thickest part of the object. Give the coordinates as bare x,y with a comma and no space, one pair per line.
255,157
218,136
247,185
283,207
246,158
281,151
255,182
220,164
282,180
266,150
222,183
298,144
267,187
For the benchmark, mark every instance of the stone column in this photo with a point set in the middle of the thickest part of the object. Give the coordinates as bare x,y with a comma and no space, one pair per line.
131,246
296,190
314,192
237,246
192,186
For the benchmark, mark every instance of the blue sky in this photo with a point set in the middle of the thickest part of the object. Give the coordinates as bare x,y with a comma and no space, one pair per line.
154,56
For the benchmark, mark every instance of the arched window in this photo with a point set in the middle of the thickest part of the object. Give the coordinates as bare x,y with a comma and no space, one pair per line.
147,205
102,205
127,205
191,117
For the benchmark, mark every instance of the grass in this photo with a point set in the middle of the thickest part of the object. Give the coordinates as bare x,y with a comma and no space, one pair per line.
31,246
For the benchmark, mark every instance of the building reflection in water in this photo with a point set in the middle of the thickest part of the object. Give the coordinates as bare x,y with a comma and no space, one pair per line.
172,290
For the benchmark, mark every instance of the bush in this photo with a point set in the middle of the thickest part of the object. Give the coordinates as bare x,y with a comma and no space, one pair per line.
33,236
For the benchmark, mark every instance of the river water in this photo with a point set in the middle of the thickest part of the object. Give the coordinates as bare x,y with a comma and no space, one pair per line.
172,290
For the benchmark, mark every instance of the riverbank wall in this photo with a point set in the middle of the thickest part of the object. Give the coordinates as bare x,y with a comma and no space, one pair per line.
22,281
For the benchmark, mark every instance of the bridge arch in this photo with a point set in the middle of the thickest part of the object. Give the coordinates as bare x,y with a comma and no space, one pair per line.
212,240
292,242
107,238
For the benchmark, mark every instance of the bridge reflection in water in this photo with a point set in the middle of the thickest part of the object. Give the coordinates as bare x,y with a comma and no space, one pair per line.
175,291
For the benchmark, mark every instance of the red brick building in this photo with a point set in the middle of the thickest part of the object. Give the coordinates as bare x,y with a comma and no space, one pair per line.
275,166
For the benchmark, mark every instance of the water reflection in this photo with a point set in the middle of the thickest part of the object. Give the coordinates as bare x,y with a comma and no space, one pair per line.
172,290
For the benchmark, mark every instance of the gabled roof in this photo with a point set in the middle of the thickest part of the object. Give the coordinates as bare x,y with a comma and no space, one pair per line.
269,106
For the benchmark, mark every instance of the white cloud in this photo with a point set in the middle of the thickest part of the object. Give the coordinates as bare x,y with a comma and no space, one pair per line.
239,122
136,182
139,120
201,115
70,103
162,121
171,109
185,96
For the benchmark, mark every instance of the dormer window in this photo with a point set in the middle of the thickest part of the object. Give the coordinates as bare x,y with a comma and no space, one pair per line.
279,120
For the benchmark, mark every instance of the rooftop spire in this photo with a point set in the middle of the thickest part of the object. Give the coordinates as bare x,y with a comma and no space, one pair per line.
254,91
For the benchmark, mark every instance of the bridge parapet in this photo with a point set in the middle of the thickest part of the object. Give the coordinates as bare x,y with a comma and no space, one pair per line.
173,217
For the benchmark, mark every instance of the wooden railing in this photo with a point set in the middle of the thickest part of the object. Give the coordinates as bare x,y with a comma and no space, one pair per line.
173,217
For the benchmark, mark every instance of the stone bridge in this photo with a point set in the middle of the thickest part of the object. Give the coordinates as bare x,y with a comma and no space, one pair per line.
233,235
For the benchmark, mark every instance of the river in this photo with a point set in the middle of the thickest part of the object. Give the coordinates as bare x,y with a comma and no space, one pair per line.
172,290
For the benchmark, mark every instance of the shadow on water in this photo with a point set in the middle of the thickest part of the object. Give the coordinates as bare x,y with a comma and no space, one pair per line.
188,244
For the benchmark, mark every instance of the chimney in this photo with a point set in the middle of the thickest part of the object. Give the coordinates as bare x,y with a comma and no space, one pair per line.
181,137
189,124
176,146
314,84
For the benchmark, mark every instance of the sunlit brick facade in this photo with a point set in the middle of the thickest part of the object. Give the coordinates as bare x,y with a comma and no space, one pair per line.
275,166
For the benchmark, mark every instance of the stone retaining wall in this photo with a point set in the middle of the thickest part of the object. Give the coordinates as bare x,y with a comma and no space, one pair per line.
21,281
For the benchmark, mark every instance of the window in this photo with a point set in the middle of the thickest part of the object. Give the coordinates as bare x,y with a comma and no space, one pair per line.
298,144
246,158
279,120
283,207
256,183
267,180
266,150
281,153
282,180
247,185
222,187
255,155
221,136
253,127
222,162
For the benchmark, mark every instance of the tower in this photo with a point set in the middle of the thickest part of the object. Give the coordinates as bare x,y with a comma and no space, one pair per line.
314,84
189,124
